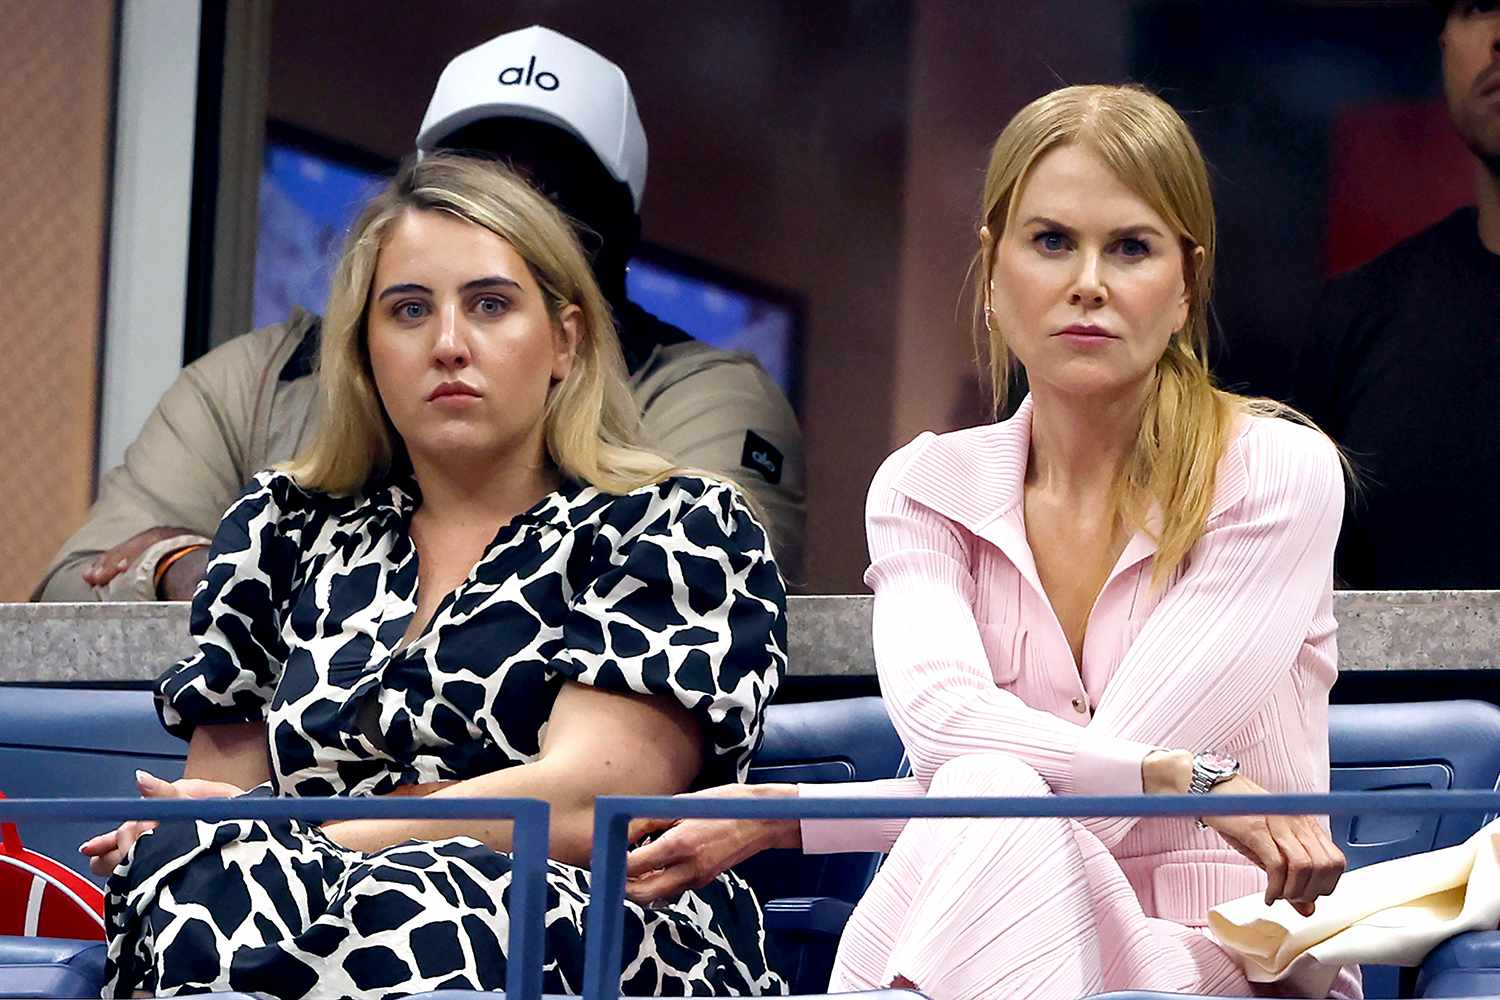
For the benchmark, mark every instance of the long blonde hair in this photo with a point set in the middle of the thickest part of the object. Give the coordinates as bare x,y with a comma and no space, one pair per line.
591,422
1187,420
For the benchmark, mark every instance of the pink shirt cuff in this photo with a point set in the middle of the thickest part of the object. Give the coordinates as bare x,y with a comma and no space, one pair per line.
1106,765
838,836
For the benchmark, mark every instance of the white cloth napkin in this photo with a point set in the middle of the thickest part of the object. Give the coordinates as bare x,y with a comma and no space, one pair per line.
1391,913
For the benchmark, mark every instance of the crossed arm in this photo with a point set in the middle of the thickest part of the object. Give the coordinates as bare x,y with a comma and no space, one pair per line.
597,742
1228,629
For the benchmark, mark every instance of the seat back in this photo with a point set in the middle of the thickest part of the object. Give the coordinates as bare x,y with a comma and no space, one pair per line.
1408,746
58,742
808,897
84,742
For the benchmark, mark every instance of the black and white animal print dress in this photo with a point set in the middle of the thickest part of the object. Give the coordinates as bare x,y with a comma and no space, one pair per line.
669,590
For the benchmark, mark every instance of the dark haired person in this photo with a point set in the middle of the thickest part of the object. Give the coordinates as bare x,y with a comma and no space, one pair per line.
572,130
1402,362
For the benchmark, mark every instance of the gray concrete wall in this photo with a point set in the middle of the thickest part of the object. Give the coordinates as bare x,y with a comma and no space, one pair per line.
830,636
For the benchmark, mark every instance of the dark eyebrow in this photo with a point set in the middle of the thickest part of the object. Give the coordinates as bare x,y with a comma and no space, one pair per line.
491,281
1141,229
1042,220
1138,230
403,289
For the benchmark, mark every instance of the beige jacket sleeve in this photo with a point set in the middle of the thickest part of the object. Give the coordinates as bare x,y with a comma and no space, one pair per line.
199,447
719,411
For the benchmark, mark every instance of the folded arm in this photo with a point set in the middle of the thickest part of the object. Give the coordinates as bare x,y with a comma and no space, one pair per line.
1204,663
934,674
597,742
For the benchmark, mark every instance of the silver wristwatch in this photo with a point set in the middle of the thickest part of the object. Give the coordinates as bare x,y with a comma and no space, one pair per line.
1211,768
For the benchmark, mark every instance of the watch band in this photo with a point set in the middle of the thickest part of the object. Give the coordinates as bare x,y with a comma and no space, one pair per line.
1210,769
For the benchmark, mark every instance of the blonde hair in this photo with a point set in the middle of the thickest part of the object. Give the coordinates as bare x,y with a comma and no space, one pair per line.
1187,419
591,421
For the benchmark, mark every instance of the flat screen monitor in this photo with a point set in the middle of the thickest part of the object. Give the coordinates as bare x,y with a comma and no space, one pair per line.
722,308
311,190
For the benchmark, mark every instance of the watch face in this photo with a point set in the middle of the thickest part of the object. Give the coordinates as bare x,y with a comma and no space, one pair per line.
1220,763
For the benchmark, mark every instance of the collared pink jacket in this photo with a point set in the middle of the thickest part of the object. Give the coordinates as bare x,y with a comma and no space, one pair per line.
1235,653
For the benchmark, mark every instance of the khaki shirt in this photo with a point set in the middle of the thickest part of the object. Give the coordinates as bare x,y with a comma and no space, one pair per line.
228,415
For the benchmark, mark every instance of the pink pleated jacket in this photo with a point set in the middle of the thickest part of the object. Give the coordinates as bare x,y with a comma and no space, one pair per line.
1235,653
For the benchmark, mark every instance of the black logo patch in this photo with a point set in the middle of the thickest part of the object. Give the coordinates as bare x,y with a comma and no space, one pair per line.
762,456
526,76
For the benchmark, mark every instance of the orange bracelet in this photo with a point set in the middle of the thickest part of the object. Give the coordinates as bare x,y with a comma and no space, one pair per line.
165,563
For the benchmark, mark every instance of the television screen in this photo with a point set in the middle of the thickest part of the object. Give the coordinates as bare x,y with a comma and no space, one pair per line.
311,189
722,309
309,196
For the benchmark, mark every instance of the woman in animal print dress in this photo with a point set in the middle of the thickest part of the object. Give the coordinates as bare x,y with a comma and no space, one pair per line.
470,583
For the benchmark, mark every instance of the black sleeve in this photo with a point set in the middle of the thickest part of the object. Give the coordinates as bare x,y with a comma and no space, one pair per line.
1346,313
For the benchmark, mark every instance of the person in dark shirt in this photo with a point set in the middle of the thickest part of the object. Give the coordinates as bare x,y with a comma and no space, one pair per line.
1402,365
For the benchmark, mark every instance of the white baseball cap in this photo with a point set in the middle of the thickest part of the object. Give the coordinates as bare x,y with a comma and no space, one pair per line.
539,74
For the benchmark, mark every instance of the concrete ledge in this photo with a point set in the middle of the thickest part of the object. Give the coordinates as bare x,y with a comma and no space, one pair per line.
830,636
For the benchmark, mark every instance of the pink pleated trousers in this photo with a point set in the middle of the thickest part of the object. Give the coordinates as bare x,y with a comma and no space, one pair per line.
1033,908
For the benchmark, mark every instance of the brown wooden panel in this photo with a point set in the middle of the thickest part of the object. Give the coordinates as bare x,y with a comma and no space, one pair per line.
54,159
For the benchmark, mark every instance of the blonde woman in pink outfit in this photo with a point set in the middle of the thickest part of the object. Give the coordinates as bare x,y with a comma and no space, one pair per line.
1126,587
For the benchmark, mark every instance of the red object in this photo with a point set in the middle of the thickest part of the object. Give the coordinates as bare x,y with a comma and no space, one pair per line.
1394,169
41,898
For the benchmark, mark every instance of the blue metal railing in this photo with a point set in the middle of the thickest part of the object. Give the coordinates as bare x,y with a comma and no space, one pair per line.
603,935
528,891
612,815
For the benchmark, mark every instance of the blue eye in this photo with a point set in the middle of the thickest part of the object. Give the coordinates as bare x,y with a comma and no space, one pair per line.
409,310
1050,241
490,305
1132,247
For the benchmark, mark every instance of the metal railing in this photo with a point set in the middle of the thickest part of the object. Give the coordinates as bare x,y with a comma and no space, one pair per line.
603,935
612,816
531,818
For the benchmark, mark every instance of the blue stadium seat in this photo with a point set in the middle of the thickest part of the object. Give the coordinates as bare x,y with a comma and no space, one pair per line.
1466,965
79,743
1409,746
50,967
808,898
76,743
88,742
1415,746
1412,746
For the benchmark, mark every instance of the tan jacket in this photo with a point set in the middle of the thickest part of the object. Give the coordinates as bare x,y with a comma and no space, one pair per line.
230,414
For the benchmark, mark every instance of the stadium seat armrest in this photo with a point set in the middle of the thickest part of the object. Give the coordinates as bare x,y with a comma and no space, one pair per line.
1471,959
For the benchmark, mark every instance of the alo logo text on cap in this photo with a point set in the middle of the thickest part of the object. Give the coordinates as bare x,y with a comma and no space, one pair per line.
519,75
512,76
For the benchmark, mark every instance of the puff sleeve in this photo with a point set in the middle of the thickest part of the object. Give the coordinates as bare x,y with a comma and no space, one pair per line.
691,607
237,613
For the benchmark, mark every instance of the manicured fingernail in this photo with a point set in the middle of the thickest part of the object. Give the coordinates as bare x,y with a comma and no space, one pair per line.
144,777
